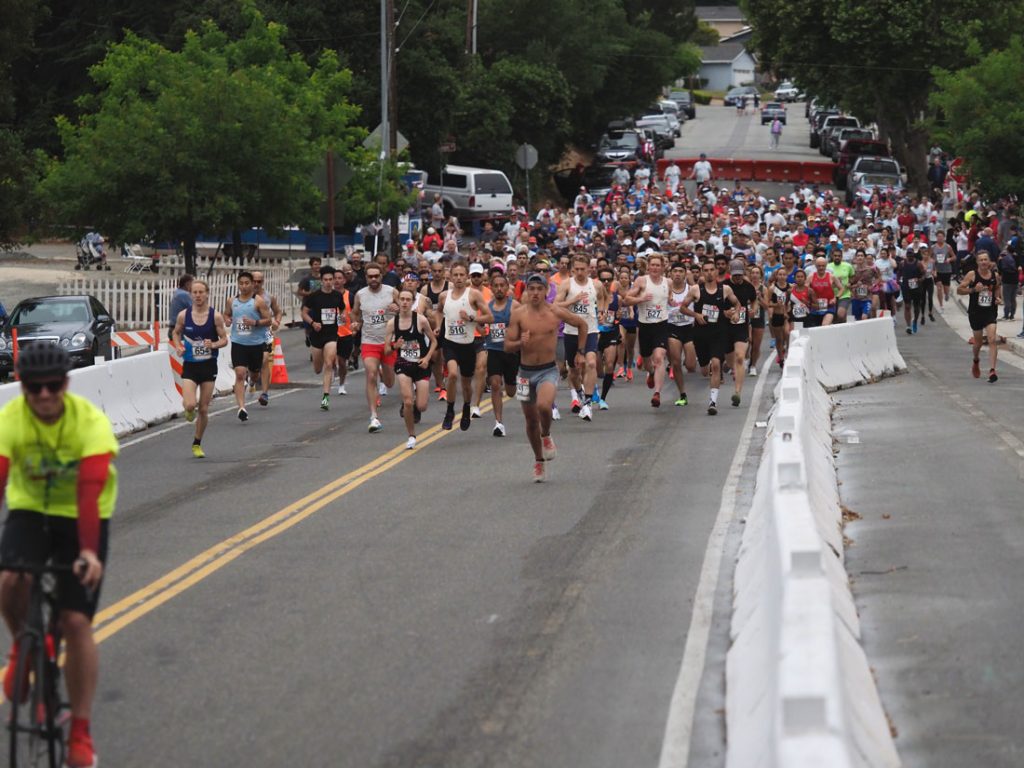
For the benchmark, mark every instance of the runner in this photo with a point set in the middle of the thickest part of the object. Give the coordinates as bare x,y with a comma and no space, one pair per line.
714,306
911,276
584,297
800,300
778,309
197,335
758,316
843,271
245,314
532,332
650,295
432,290
739,325
346,336
628,325
321,311
411,339
982,285
374,306
460,309
944,256
864,278
502,366
609,338
56,450
681,350
276,314
826,287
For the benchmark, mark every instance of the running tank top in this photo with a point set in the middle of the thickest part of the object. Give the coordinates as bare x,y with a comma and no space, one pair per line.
607,321
675,314
780,296
416,342
584,305
192,337
251,334
435,296
345,321
495,339
457,330
712,306
269,300
655,310
799,299
374,309
983,301
824,292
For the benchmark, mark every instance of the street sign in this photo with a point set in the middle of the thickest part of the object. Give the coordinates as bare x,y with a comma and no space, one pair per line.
446,148
373,140
526,156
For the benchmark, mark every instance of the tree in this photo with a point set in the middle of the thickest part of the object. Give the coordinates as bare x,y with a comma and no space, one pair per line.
980,118
222,135
706,34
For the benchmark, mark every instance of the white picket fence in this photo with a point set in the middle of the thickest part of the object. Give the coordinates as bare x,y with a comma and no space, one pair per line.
138,303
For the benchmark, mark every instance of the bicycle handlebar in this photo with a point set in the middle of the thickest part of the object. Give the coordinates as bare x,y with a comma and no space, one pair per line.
36,569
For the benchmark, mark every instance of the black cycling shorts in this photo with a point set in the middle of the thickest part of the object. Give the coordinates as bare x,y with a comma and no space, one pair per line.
711,342
682,333
35,538
504,364
610,338
738,333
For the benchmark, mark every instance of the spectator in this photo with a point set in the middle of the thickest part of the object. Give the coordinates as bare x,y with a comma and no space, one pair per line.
182,298
701,173
986,242
437,213
937,172
776,132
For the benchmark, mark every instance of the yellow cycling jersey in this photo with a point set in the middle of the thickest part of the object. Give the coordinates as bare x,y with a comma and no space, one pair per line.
43,475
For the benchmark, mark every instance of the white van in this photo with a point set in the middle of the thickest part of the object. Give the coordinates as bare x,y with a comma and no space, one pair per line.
470,193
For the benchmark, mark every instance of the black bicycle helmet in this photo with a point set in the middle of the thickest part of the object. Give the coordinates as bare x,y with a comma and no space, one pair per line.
43,361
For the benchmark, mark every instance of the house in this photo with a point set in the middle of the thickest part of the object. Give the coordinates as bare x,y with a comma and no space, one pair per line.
726,19
726,65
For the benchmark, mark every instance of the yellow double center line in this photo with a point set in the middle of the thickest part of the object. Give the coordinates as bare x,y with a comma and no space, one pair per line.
136,605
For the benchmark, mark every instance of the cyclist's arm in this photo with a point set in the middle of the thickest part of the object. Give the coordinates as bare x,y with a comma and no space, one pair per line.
93,472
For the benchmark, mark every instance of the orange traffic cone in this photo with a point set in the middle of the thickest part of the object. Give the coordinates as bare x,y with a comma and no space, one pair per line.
279,373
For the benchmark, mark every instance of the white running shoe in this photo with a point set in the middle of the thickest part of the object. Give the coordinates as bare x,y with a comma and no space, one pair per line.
586,413
539,473
342,390
555,415
375,425
499,429
547,448
410,443
474,412
382,389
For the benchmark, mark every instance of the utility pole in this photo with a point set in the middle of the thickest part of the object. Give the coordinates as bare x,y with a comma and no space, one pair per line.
392,134
471,12
331,193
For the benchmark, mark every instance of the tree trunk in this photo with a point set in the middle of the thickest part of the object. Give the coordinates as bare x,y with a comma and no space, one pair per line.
189,247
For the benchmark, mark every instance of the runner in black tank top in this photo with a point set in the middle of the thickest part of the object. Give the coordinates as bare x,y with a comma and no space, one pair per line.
982,286
711,301
411,337
434,296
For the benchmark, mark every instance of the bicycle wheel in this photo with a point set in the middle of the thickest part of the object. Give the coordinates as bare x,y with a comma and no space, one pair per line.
29,742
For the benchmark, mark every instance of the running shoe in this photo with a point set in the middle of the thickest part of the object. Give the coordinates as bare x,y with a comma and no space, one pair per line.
442,395
417,414
575,405
602,405
264,399
771,344
915,326
656,400
629,374
992,378
325,403
735,399
375,425
586,413
548,450
976,368
499,429
342,390
466,419
909,331
650,380
620,372
80,750
382,389
539,474
449,417
243,415
474,412
922,319
197,452
9,675
753,371
555,415
682,400
436,390
410,443
190,415
712,408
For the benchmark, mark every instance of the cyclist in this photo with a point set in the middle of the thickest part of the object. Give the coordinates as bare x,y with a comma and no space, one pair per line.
55,461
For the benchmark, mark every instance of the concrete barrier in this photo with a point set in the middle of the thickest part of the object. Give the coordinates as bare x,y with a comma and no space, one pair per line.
799,691
851,354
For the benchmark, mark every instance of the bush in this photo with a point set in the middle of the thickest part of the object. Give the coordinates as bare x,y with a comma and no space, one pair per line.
701,97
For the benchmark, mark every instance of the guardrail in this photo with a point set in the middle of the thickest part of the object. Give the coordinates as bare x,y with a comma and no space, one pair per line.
732,169
799,689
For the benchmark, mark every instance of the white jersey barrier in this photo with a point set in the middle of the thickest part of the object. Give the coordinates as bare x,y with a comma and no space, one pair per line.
855,353
134,392
799,691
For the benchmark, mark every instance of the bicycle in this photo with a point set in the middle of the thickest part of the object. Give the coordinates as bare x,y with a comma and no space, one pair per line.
37,725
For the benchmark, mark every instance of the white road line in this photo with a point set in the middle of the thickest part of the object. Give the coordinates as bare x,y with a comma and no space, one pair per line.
165,430
675,747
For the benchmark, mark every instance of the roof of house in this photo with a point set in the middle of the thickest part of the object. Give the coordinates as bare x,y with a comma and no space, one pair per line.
719,13
739,37
725,53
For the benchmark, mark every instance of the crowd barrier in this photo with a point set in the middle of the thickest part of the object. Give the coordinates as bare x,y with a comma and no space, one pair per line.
799,689
731,169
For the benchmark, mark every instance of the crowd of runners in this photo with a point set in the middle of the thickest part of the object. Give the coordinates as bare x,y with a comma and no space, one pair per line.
657,279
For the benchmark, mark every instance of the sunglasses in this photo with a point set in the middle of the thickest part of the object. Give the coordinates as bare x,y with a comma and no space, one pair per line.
35,387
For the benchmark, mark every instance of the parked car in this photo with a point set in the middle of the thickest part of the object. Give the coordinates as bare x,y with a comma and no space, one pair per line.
620,147
662,128
817,120
832,124
471,194
623,124
850,151
786,92
686,104
80,324
873,173
837,136
670,109
771,110
734,94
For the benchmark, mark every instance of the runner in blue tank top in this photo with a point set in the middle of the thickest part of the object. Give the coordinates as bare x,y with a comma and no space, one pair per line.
198,333
502,366
248,316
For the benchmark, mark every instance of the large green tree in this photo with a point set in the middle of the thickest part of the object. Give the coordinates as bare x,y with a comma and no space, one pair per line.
221,135
875,58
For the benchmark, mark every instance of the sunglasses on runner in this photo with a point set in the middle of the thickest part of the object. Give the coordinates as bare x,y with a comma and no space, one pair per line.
35,387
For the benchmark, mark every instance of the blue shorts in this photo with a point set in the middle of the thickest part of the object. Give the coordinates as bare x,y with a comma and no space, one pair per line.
860,308
572,344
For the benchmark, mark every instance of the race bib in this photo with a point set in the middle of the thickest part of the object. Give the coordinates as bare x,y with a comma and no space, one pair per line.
608,318
328,316
940,257
710,312
199,350
861,291
904,229
456,329
912,283
654,313
822,303
625,313
799,311
497,331
378,317
741,316
522,389
411,351
985,299
675,317
242,327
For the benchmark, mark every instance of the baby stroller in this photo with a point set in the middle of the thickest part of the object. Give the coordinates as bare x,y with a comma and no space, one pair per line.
91,250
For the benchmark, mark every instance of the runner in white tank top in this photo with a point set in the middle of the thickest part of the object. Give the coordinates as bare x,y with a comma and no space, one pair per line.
650,294
461,309
585,298
374,305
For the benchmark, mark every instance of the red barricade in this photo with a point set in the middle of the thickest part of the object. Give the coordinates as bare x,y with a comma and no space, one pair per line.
777,170
818,173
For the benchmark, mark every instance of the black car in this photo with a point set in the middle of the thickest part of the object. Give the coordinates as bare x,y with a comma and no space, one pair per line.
816,123
685,101
80,324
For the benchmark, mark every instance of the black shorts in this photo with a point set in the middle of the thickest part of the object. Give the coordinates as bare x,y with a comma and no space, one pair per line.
778,321
200,373
572,345
320,339
944,277
247,356
346,344
413,370
813,321
463,354
757,322
34,538
269,348
607,339
980,320
711,342
683,333
651,336
504,364
738,333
